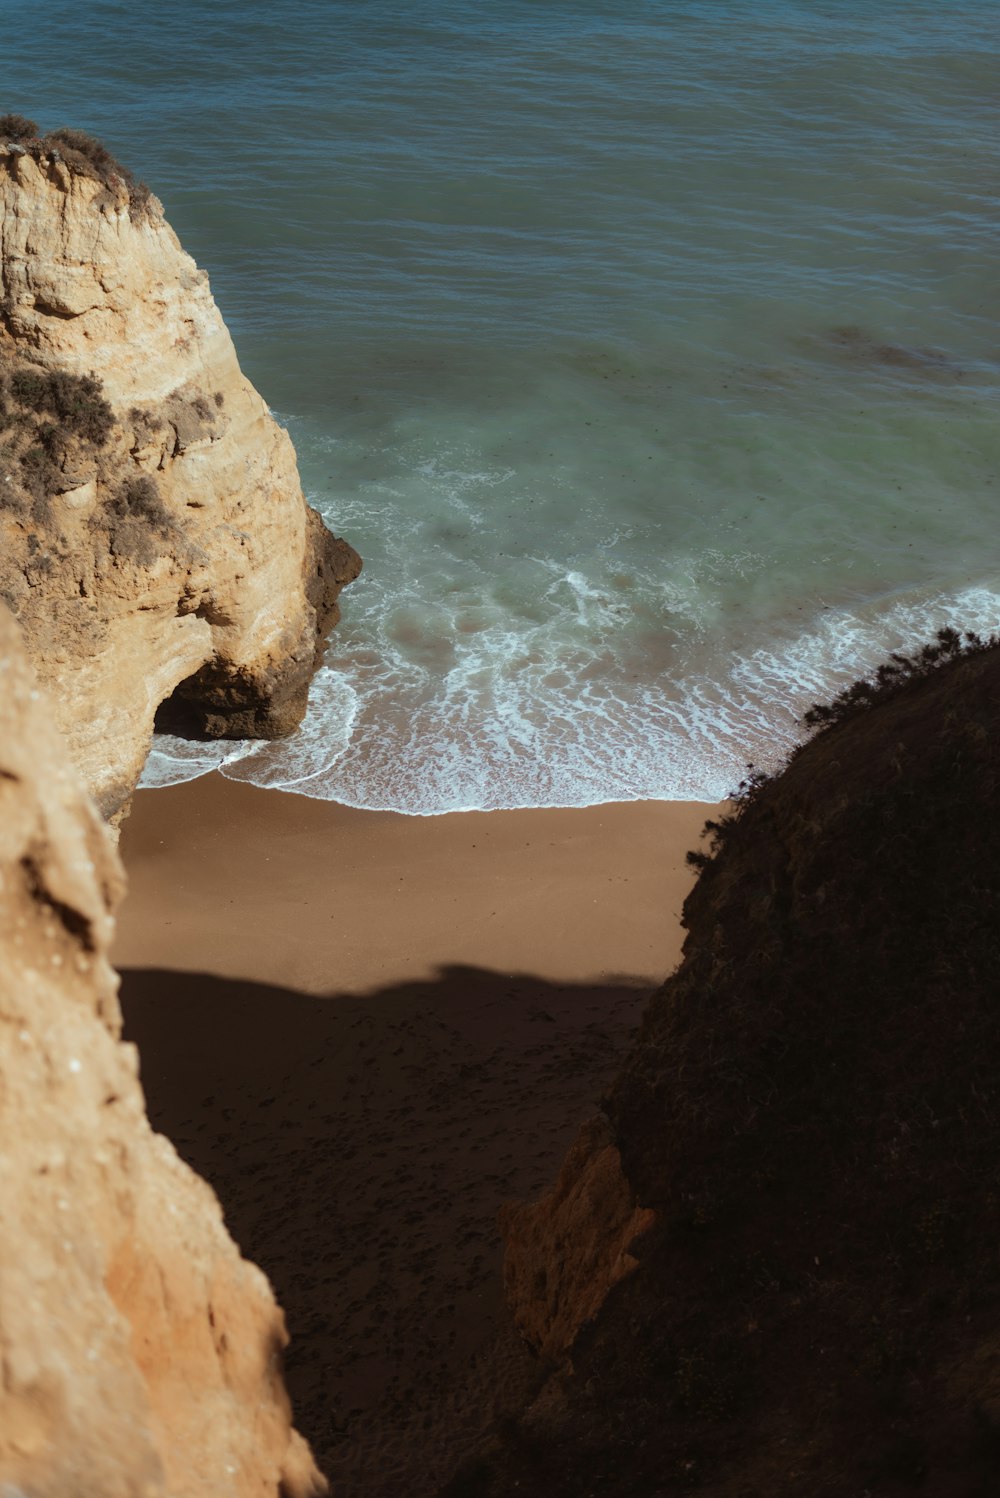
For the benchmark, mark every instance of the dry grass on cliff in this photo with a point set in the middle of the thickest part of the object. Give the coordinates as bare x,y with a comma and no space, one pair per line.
49,421
813,1109
84,154
56,430
137,521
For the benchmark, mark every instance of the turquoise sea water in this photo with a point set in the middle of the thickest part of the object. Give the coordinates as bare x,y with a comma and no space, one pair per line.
647,354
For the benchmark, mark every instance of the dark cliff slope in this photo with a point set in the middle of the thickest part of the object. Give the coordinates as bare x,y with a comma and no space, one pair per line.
812,1108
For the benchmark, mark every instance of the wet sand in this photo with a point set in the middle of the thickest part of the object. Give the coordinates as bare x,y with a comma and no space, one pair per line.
368,1031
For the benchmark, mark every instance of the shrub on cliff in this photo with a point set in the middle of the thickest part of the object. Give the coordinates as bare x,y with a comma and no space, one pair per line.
135,517
894,674
16,127
49,419
139,498
861,696
90,149
82,153
87,155
39,476
76,401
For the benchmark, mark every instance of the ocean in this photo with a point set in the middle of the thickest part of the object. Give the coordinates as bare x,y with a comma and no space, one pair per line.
646,353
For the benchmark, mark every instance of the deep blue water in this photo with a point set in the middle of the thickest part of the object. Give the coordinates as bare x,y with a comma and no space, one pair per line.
648,354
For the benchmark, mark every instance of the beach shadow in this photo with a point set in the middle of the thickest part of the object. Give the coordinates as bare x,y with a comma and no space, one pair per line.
360,1146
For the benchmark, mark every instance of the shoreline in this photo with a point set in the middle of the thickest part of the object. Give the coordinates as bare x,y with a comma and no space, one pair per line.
751,696
294,788
368,1031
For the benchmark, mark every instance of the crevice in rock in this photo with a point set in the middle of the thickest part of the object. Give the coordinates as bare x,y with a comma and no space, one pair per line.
49,309
76,925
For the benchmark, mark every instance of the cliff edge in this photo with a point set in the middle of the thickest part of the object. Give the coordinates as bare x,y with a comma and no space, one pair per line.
140,1356
155,545
802,1146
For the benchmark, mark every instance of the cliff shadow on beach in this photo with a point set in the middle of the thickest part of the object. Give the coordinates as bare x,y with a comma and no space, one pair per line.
361,1146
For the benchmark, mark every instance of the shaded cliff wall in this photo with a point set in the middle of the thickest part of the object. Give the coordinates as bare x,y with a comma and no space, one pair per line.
139,1354
812,1112
161,540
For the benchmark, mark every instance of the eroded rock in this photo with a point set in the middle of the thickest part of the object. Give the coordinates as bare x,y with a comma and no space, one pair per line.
164,543
140,1355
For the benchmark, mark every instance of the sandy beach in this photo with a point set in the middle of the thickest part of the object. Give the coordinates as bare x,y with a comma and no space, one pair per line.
368,1031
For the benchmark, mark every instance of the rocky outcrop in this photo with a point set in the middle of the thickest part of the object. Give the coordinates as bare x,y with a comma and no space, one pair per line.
140,1356
811,1109
566,1252
154,541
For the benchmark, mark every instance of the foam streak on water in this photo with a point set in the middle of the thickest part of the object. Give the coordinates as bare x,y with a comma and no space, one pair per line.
647,354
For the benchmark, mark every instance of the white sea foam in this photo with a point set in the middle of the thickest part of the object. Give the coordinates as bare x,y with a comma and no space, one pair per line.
172,761
312,748
501,730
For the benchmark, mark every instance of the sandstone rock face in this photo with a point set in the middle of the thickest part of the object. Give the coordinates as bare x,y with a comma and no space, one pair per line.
169,546
139,1354
565,1252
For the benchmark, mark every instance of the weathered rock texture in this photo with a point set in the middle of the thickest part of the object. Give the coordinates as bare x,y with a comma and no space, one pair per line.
163,545
567,1251
812,1110
139,1354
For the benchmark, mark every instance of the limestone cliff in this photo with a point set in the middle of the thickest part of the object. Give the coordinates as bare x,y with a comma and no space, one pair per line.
811,1116
140,1356
154,541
